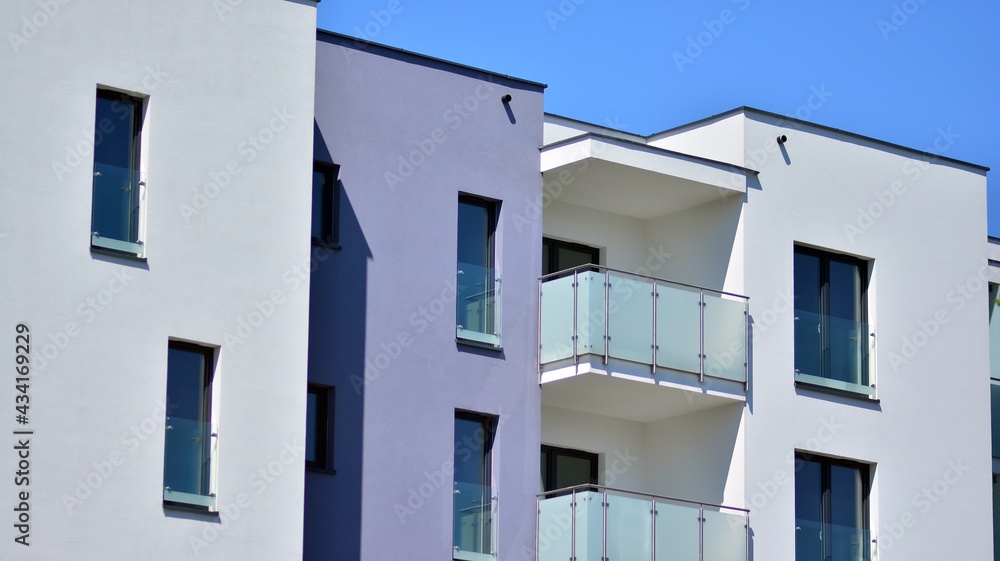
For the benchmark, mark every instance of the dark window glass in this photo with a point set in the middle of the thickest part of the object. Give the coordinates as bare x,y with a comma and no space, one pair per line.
563,467
318,425
187,456
831,510
477,300
831,330
473,502
115,211
559,256
325,202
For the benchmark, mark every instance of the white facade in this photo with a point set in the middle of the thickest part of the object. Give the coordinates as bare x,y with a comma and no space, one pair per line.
915,220
227,94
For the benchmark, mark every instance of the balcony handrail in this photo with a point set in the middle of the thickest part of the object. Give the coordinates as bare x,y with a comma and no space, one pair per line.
588,267
604,488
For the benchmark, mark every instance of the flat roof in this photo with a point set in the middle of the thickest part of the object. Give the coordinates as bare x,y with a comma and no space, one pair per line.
466,67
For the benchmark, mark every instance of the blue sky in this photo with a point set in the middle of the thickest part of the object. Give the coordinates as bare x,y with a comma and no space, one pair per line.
904,71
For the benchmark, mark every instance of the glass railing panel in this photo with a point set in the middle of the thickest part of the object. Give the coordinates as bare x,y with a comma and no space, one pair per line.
630,318
116,203
589,526
557,319
473,521
555,528
189,447
824,542
995,420
676,532
725,536
478,304
678,328
590,315
725,337
833,352
630,527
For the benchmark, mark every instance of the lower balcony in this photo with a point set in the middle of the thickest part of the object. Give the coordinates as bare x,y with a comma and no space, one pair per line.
593,523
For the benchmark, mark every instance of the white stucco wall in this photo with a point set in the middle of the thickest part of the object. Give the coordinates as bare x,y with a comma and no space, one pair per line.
227,157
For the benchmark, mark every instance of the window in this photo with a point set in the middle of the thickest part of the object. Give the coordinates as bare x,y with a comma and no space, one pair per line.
559,256
117,195
190,443
478,284
319,450
832,336
563,467
325,204
831,510
473,508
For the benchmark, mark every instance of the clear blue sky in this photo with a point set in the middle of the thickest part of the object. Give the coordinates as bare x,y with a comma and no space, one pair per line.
896,70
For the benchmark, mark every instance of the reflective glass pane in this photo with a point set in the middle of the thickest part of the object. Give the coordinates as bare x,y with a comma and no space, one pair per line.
808,334
187,456
555,530
630,527
311,406
473,517
630,318
995,416
725,337
557,319
808,510
477,303
676,532
320,203
116,178
590,312
589,526
678,328
725,536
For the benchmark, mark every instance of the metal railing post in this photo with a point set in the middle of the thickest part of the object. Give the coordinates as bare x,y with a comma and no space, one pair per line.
701,533
607,318
572,525
655,346
604,531
539,331
576,319
701,335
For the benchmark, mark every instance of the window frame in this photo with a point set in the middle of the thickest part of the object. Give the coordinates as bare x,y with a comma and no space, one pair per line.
134,246
553,244
207,500
325,406
827,463
489,424
492,341
330,211
867,387
550,469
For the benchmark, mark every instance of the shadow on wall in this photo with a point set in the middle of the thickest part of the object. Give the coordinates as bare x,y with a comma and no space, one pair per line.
338,292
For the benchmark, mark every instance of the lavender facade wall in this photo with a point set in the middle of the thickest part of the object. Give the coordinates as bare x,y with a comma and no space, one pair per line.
410,134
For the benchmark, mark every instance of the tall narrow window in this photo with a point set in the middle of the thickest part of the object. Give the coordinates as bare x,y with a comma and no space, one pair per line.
565,467
319,418
831,510
559,255
325,204
190,437
832,336
478,284
473,505
117,194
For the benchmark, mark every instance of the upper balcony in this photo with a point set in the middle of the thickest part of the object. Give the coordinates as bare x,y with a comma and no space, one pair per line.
603,330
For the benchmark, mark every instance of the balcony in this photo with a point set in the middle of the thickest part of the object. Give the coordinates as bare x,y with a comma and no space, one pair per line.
623,326
590,523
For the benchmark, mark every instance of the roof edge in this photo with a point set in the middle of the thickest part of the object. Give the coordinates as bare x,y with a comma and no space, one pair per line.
746,109
358,42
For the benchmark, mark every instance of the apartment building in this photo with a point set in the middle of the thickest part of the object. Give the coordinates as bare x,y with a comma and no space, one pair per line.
846,412
151,242
484,332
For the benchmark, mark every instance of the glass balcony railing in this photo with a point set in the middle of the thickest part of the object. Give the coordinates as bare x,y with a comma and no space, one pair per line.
478,304
834,352
116,205
829,542
188,471
594,310
473,522
599,523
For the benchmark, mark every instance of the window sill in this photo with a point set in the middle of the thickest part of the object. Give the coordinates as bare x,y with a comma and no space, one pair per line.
478,345
189,508
191,501
116,253
325,471
819,388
